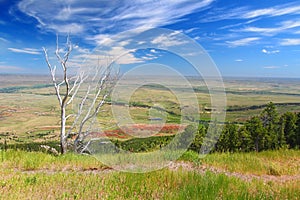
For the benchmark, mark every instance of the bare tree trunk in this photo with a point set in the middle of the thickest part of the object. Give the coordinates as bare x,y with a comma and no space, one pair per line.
62,98
63,139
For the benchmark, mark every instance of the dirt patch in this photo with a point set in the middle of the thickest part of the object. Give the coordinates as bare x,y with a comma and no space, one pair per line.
174,166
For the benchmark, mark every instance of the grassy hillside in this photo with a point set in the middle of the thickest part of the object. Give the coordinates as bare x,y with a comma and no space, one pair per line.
28,175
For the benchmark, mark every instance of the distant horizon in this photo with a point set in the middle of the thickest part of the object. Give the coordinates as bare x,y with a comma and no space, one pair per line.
188,76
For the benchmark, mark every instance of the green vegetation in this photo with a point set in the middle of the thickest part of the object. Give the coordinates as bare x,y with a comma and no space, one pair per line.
144,144
284,162
23,160
267,131
18,88
257,155
168,185
82,177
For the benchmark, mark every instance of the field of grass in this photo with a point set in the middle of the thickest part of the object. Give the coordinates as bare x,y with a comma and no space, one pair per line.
36,175
281,162
168,185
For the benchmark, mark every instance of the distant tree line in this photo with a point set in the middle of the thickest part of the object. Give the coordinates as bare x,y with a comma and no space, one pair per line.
267,131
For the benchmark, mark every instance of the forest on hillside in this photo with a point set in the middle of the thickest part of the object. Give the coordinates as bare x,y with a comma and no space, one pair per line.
267,131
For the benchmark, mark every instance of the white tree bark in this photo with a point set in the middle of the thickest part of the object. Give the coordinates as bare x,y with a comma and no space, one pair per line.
71,85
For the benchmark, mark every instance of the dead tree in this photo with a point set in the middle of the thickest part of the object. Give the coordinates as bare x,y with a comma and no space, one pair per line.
94,82
93,96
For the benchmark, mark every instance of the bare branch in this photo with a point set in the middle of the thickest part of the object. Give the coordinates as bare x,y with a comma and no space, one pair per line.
80,109
81,78
69,49
93,114
52,72
75,93
61,83
71,115
96,113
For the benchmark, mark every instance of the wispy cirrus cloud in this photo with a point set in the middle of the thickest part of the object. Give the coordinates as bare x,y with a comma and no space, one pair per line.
3,40
25,50
108,16
251,23
287,9
224,14
251,13
290,42
242,42
282,27
190,30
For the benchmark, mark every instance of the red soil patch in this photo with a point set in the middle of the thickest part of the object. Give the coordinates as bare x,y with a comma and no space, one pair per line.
140,130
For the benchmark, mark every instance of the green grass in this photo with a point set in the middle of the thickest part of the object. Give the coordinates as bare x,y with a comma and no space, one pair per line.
22,160
164,184
282,162
37,175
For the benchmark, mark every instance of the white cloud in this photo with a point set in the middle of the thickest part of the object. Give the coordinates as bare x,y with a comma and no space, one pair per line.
164,40
248,13
123,56
72,28
269,52
286,9
263,31
25,50
116,53
231,26
292,9
121,46
102,39
239,60
284,26
224,13
258,13
290,42
9,68
3,40
153,51
108,16
81,50
271,67
242,42
190,30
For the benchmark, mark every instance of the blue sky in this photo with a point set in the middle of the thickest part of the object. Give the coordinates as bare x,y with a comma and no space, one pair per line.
244,38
